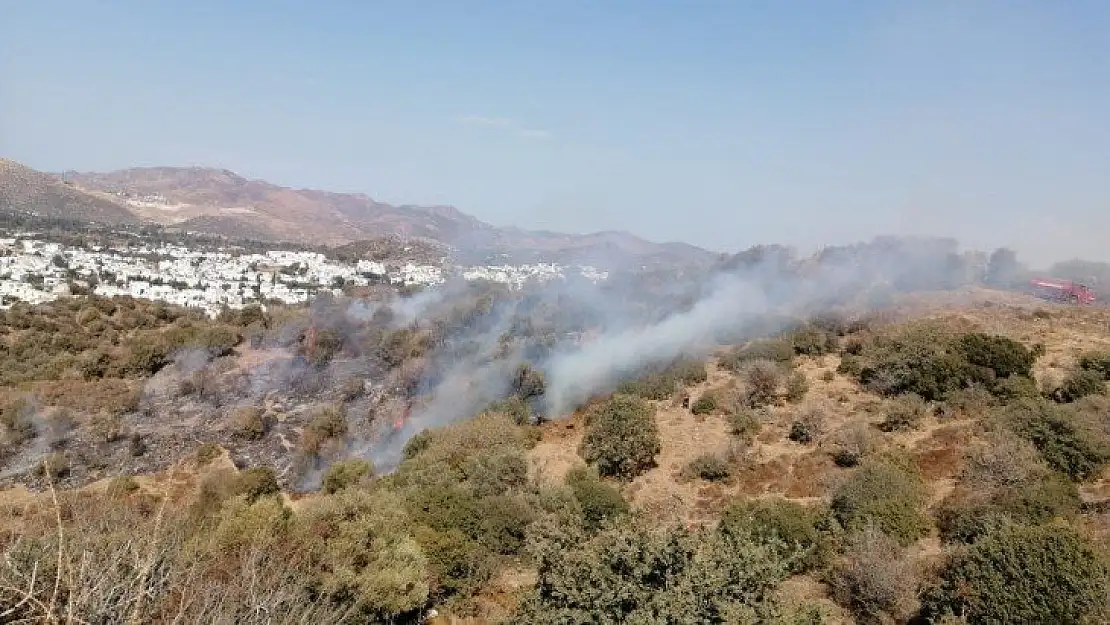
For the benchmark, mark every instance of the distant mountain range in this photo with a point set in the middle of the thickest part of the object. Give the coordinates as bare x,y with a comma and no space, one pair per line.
218,201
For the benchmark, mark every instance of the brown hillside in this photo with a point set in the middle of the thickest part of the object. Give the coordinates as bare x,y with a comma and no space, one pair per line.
24,190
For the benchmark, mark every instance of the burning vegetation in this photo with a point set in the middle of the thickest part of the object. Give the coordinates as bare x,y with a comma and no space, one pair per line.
683,451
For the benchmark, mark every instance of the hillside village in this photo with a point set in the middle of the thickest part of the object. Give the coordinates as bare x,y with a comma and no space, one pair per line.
35,270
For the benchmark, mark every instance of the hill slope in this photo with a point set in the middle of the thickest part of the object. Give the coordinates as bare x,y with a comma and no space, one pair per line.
24,190
219,201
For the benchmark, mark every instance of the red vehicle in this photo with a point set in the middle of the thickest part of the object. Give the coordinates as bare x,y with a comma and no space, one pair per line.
1062,291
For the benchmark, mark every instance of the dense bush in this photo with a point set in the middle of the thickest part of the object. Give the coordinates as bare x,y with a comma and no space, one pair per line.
1005,357
797,526
710,467
904,413
346,474
774,350
808,426
813,341
1064,439
932,361
1096,361
1079,384
600,502
1019,574
662,383
796,386
852,443
629,574
622,438
887,493
706,404
745,423
762,379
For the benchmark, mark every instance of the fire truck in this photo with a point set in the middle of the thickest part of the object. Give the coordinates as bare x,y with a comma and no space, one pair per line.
1062,291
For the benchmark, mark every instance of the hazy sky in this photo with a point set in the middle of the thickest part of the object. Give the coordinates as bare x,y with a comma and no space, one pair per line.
723,123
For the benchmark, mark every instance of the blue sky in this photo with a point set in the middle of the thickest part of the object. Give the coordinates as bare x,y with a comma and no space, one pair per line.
720,123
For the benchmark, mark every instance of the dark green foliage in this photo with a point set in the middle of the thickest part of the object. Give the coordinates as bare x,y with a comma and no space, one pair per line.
599,501
628,574
345,474
257,482
796,386
709,467
762,379
1079,384
515,408
1064,440
622,438
418,443
904,413
813,341
528,383
661,384
1040,500
745,423
887,493
797,526
1005,357
800,433
932,362
775,350
1096,361
705,404
929,375
1019,574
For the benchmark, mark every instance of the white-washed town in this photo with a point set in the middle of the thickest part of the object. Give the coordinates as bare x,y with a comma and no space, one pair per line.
34,270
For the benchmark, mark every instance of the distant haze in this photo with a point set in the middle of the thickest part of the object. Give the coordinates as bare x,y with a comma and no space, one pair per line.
719,124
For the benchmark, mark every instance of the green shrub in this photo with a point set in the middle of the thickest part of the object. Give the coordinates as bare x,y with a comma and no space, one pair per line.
887,493
599,501
853,443
622,438
774,350
1079,384
1096,361
709,467
346,474
363,556
257,482
813,341
328,426
661,384
762,379
904,413
1019,574
1064,441
745,423
706,404
1005,357
629,574
796,387
206,453
808,427
850,365
796,525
